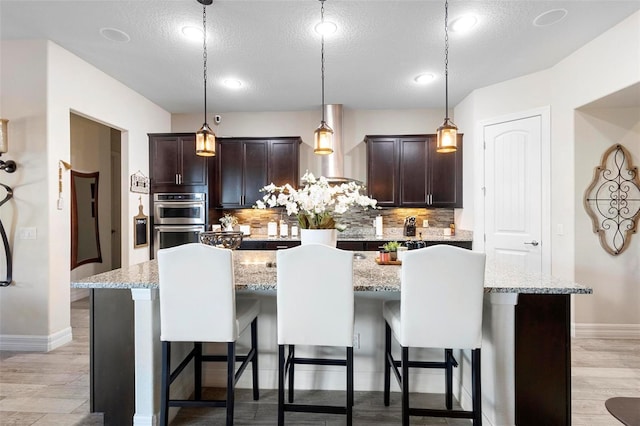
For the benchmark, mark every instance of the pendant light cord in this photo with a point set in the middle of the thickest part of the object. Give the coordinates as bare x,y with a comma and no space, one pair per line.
204,56
446,58
322,55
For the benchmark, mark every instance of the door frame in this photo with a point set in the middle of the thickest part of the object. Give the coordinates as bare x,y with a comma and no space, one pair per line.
545,172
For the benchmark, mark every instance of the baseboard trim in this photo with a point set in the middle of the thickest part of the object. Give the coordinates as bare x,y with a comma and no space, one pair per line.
605,331
30,343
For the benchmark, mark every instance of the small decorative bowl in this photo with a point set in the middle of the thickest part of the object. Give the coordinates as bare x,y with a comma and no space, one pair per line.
223,239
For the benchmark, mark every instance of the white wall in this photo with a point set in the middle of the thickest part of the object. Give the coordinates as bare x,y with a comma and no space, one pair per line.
615,279
606,65
41,84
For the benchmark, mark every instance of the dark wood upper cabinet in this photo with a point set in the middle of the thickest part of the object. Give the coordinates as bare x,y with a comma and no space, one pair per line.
173,163
445,175
406,171
245,165
383,170
414,185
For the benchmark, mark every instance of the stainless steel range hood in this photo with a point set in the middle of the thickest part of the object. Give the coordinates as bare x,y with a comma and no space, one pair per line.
332,165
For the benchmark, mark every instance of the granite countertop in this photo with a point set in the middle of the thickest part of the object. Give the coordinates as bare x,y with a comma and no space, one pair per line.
255,271
392,234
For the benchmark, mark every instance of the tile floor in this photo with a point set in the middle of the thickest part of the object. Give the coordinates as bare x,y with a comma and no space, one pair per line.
53,388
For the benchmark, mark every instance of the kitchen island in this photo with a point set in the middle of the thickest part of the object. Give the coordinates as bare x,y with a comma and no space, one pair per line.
513,343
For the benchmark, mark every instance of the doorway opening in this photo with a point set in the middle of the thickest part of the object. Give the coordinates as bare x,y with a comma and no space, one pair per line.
96,148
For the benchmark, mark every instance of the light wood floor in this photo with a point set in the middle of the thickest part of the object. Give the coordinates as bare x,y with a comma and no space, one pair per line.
53,388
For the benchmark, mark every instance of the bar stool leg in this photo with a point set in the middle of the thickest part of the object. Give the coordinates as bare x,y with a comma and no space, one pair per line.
476,387
349,385
281,373
231,372
254,361
448,356
387,365
292,366
197,370
405,386
166,371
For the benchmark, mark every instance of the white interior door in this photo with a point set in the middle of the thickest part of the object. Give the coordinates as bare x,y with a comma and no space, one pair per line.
513,193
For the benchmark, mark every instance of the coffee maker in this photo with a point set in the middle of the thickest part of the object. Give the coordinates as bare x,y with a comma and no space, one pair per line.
410,226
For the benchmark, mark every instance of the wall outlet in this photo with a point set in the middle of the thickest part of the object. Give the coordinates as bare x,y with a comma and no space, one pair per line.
27,233
356,340
425,223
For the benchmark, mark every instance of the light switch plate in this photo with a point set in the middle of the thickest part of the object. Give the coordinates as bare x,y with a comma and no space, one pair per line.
27,233
425,223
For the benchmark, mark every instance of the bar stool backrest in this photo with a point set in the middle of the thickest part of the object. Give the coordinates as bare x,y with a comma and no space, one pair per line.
315,296
441,298
197,294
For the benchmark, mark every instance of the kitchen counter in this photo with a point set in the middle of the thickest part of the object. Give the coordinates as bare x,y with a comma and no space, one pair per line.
526,318
253,274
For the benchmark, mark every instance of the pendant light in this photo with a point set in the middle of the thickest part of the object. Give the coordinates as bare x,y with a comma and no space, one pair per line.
323,136
448,132
205,138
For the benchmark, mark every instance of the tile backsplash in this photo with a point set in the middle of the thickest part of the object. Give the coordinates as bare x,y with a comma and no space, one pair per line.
357,221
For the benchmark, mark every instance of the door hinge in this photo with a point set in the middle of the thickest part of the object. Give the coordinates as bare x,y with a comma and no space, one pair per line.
484,144
484,191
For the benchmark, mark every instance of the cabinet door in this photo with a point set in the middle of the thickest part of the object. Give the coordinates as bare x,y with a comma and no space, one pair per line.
284,162
413,172
255,171
445,171
382,170
165,154
193,169
230,153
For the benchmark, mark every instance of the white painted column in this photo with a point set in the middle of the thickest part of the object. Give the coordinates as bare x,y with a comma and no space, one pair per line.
498,359
147,356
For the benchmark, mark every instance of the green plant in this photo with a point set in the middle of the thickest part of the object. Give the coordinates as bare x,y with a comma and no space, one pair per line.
392,246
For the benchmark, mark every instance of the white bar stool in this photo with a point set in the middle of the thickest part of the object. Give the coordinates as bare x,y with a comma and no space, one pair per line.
198,304
440,307
315,307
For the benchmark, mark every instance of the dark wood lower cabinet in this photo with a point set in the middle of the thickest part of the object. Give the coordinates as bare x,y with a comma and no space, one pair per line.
112,355
342,244
543,360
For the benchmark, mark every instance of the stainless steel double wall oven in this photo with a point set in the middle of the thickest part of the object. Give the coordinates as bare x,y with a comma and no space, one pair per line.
178,218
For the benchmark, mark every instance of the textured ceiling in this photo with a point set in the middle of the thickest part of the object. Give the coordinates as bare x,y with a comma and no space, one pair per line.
380,46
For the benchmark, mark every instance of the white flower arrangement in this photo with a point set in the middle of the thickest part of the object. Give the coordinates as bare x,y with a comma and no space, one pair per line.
315,203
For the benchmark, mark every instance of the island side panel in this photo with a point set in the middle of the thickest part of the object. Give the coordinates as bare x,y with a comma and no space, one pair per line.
112,355
543,360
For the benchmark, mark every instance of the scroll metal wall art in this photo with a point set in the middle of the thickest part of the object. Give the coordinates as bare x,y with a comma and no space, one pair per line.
613,200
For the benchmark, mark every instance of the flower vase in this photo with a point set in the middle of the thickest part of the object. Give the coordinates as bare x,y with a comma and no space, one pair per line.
228,228
328,237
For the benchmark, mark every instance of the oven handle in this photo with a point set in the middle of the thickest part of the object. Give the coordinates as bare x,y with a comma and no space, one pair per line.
178,228
161,204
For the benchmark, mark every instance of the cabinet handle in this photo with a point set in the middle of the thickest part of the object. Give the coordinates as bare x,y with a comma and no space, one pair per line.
177,180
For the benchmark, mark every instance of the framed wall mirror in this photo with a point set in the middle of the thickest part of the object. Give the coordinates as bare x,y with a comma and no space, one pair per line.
85,237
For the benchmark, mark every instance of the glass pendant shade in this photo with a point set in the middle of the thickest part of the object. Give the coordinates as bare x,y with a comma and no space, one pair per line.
205,141
447,137
323,139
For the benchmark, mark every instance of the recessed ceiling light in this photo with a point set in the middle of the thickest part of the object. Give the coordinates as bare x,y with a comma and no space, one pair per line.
193,33
232,83
326,28
550,17
424,78
114,34
463,23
